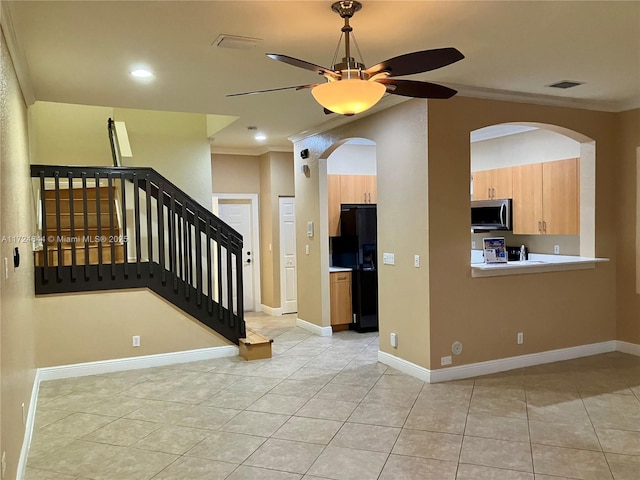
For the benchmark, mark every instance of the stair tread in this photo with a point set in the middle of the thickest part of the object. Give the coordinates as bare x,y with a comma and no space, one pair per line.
254,338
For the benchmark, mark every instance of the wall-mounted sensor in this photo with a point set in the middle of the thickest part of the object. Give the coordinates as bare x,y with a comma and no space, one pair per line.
304,153
309,229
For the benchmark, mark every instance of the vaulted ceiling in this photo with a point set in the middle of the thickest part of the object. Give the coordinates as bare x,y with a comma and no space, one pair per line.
82,52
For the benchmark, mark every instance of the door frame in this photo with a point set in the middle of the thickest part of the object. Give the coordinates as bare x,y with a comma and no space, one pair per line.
252,199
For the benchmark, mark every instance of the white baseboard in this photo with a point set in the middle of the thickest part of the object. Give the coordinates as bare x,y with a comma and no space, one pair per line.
28,429
274,312
133,363
495,366
626,347
313,328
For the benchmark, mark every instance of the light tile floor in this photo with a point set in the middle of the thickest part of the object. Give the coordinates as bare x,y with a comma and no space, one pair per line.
323,408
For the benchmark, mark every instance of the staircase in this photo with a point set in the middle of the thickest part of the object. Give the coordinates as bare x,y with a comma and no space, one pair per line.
106,228
72,228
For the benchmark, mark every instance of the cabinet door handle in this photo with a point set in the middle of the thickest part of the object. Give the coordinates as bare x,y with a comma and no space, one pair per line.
489,192
539,226
544,226
369,195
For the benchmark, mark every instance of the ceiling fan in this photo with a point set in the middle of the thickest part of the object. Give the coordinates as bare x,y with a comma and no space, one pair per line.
352,88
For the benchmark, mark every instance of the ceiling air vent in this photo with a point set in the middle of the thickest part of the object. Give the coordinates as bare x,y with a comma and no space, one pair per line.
235,41
564,84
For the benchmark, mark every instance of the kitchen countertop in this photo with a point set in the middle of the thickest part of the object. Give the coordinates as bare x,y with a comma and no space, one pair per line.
340,269
537,263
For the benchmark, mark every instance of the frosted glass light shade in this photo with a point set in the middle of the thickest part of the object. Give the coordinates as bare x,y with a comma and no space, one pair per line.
348,97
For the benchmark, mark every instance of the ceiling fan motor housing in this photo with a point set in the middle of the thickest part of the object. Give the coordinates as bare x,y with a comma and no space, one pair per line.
346,8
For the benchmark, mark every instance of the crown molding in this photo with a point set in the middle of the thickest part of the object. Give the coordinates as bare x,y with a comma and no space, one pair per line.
17,57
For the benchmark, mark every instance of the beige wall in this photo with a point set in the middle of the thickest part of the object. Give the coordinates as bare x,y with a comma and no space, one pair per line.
433,306
88,327
65,134
17,337
174,144
235,173
401,152
628,326
554,310
269,175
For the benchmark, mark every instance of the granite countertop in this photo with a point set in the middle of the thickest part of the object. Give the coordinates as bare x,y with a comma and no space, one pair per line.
340,269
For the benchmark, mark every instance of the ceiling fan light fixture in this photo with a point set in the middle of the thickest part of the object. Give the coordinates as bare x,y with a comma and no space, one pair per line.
348,97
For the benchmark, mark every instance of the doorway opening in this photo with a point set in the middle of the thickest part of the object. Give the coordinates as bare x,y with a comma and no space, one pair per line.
548,173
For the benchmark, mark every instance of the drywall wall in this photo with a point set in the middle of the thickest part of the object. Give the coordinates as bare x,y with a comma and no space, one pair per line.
533,146
88,327
235,173
401,153
352,159
628,220
17,334
66,134
174,144
554,310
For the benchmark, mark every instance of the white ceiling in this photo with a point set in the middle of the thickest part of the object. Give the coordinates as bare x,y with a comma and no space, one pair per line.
81,52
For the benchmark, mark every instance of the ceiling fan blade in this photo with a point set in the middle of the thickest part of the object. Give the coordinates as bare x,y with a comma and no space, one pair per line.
413,88
417,62
303,64
296,87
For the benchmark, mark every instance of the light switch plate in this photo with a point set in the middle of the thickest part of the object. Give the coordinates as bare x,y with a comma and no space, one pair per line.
389,258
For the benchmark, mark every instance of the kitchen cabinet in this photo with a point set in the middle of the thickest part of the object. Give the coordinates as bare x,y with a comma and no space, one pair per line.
358,189
546,198
490,184
348,189
333,195
340,293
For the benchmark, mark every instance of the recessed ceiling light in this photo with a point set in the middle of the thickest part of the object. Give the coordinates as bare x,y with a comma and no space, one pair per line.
141,73
260,136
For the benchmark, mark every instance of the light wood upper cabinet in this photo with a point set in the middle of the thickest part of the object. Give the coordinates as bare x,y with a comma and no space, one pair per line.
527,199
546,198
357,188
490,184
348,189
333,195
561,197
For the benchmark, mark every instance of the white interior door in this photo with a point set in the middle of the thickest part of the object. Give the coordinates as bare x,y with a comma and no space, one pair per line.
288,264
238,216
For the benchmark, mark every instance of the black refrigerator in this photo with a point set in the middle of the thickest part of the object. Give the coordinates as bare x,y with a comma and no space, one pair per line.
356,248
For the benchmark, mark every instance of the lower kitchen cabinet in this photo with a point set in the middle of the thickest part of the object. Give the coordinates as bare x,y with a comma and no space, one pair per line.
340,292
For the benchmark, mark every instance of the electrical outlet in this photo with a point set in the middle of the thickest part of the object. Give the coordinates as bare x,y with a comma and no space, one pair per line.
135,340
445,360
556,249
520,338
394,340
416,261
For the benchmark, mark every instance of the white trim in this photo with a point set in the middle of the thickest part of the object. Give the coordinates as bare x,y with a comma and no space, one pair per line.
255,152
274,312
28,429
313,328
281,263
134,363
495,366
405,366
253,199
627,347
20,64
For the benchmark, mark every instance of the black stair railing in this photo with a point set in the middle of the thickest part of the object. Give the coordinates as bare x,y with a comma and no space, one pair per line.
109,228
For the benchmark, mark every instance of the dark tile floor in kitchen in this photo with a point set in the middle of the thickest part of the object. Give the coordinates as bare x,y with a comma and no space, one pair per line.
324,408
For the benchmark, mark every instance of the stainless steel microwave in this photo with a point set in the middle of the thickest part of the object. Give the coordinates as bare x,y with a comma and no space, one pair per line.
491,214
